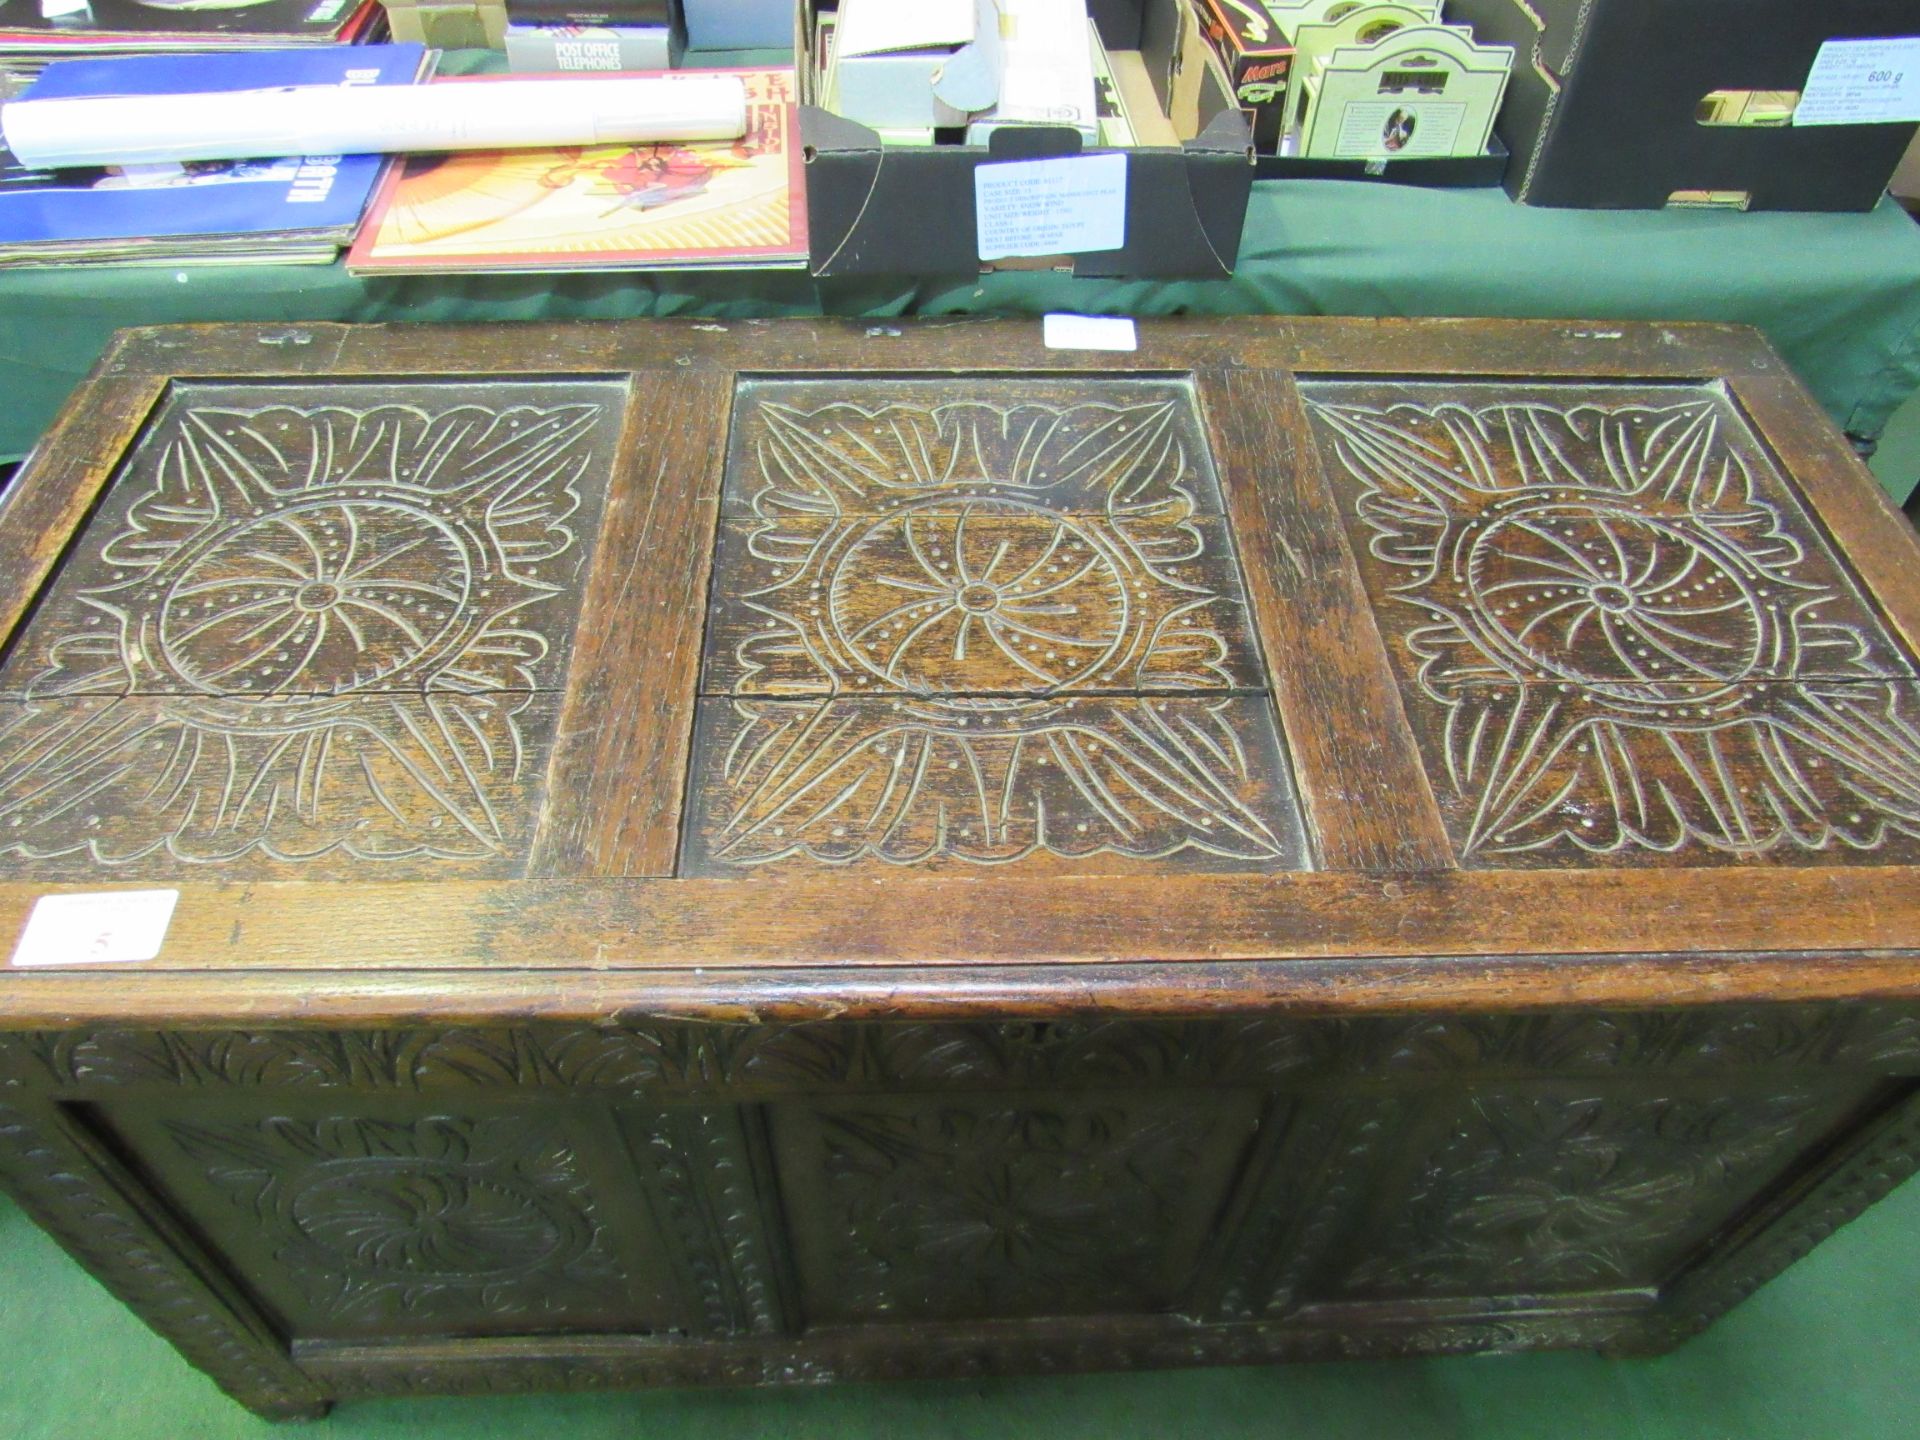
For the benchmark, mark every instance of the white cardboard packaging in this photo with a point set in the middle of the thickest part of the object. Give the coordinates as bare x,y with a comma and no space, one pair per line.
933,63
1046,70
738,24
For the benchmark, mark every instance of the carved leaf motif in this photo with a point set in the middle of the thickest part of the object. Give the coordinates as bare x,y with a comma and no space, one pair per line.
1632,648
848,458
665,1059
298,778
842,780
319,622
1535,1191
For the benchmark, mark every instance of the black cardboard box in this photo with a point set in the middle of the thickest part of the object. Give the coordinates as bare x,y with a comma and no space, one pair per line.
907,210
1602,111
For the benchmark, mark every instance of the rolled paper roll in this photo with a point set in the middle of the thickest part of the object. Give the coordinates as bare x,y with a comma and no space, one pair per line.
336,120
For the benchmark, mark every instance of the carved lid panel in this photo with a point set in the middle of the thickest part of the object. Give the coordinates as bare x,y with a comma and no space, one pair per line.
978,621
315,625
857,655
1619,635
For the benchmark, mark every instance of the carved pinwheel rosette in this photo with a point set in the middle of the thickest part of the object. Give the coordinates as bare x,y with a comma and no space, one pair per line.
309,632
1636,642
1021,628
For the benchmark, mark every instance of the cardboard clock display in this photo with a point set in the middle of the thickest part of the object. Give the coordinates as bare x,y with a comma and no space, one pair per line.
1314,41
1042,78
879,209
913,66
1423,90
1612,102
1289,15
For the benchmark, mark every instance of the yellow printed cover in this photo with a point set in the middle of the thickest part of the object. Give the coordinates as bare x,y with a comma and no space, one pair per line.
677,204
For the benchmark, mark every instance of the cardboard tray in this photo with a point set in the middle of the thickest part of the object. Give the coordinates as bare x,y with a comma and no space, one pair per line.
908,210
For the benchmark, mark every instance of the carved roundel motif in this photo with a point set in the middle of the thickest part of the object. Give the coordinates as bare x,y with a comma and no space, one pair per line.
332,597
1043,602
1621,635
306,632
431,1223
423,1221
1602,595
981,621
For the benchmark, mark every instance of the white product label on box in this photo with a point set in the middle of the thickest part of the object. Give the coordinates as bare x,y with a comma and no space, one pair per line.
114,927
1088,332
1862,82
1068,206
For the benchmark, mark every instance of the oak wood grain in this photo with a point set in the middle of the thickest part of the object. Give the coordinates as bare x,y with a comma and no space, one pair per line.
619,761
814,346
1368,800
824,919
59,484
996,1053
1430,985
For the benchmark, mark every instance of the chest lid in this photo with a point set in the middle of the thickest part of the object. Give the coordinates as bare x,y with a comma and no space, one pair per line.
809,644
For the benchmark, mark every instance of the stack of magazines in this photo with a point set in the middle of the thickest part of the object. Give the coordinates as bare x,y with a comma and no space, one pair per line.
300,210
34,32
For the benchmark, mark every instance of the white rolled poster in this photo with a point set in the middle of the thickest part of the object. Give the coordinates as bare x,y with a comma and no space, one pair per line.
331,120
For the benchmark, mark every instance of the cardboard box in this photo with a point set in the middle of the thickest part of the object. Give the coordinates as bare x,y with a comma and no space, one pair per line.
1257,59
931,63
738,24
1905,185
560,49
906,210
471,25
1605,107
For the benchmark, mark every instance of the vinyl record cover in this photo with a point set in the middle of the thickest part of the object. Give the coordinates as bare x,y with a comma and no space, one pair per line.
675,205
310,196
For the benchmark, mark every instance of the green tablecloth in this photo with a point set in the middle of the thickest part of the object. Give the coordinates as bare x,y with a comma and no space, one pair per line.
1838,294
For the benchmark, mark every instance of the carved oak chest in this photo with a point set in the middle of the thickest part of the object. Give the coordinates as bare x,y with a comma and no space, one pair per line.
766,852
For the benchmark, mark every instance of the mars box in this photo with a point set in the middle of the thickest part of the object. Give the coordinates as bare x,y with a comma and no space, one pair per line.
1258,59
